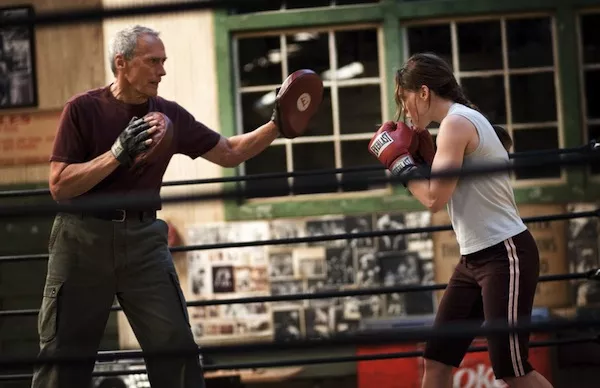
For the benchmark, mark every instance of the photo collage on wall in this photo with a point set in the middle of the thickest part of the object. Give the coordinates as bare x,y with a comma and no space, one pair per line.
322,266
584,254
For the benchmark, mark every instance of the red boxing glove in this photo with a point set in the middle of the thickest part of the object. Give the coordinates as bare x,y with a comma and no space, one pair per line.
426,147
392,144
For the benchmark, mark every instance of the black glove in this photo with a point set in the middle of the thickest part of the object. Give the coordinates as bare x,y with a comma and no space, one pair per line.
131,141
276,116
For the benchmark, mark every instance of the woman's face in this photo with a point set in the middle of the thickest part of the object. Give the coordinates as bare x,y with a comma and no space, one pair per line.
415,106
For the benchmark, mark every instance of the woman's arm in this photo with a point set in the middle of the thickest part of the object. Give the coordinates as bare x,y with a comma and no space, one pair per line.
454,135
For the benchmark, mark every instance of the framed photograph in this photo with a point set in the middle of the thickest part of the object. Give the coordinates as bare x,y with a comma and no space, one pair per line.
18,82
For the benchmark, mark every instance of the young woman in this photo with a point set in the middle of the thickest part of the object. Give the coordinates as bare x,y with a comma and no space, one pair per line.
496,277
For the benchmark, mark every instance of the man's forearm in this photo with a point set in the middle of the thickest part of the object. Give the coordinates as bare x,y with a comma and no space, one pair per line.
250,144
78,178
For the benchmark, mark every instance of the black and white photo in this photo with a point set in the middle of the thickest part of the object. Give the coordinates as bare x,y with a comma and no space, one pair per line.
359,224
340,266
18,83
367,273
326,226
391,222
199,274
287,325
281,263
399,267
310,262
584,253
223,279
285,229
318,322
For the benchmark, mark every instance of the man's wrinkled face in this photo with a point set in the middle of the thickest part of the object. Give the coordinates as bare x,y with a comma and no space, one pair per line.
146,69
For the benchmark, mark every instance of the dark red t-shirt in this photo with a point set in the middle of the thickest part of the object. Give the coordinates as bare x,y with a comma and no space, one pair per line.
92,121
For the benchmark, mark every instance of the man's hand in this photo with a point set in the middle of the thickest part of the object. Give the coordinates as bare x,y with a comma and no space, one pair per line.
132,141
391,144
276,115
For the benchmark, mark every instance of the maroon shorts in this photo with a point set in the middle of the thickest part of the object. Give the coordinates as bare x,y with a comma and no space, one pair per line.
496,284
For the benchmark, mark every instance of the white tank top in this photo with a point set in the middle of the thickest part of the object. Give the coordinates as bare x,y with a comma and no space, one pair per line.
482,209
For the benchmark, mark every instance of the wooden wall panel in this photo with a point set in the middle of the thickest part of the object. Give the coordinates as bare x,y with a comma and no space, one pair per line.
69,60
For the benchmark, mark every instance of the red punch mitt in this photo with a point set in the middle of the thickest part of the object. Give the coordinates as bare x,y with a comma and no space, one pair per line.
392,145
161,138
297,101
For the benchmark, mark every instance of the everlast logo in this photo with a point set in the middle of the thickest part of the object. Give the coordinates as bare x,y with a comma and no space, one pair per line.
380,143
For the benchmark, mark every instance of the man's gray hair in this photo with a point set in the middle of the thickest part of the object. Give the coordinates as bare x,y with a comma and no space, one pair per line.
125,41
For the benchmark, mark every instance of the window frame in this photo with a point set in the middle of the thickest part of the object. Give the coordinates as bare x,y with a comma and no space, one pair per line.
391,16
336,137
594,179
506,72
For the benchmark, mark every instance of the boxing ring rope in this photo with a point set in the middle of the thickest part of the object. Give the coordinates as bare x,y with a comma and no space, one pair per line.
139,200
332,237
98,14
590,275
294,174
464,329
329,294
316,360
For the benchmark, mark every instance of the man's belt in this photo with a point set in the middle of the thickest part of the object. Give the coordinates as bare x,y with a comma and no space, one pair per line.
120,215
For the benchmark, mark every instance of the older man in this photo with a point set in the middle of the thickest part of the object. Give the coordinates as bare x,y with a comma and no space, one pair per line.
97,255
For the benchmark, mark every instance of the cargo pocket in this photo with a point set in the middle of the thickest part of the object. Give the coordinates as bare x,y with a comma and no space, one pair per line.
177,285
48,316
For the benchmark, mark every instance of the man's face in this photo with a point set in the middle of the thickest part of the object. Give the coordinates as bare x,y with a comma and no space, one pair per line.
145,70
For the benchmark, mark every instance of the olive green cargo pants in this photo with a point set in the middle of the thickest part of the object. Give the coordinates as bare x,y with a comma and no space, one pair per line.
91,261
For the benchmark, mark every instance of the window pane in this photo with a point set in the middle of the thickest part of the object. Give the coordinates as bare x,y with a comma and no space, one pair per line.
271,160
257,108
532,97
480,46
314,156
487,93
536,140
259,61
590,36
308,50
592,93
322,122
360,108
354,154
431,38
357,54
594,133
529,42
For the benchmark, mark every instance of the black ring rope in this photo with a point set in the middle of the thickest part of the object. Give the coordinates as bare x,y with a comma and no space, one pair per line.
406,288
455,330
96,14
295,174
137,200
341,236
313,360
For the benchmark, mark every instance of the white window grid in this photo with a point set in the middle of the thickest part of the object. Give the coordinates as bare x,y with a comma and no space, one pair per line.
583,67
333,84
506,72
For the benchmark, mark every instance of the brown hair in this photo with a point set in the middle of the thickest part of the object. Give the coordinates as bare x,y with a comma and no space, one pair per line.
432,71
504,137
